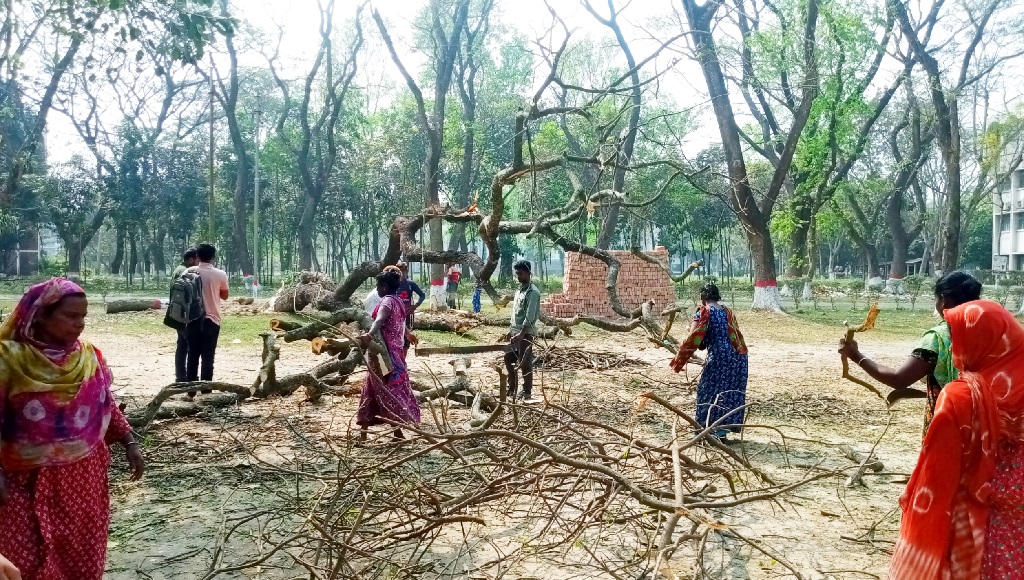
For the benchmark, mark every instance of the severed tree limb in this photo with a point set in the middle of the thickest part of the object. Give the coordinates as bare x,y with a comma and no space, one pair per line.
314,329
343,369
278,325
865,463
141,423
268,369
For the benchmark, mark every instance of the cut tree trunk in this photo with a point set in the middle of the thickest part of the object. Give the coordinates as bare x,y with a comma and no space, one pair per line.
133,305
444,322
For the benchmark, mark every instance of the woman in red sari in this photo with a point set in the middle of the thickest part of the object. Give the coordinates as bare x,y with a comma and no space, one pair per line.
57,416
961,510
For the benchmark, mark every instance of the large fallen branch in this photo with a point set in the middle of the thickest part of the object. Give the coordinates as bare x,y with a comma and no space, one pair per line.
141,422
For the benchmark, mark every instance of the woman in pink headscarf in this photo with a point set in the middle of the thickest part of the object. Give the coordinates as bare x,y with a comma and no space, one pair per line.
962,516
57,416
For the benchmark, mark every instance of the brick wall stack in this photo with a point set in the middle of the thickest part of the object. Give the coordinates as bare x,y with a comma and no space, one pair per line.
583,290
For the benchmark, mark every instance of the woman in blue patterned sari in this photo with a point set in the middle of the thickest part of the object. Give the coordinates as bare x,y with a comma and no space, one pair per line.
722,388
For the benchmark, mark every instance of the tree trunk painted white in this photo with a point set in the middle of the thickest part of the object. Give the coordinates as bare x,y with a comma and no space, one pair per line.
767,298
808,290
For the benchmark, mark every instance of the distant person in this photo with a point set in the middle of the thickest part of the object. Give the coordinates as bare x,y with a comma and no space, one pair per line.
7,570
202,337
405,292
371,301
58,418
722,388
373,298
452,279
932,359
523,330
477,292
189,259
962,515
387,394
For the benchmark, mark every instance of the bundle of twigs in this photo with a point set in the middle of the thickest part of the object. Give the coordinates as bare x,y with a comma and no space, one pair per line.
559,358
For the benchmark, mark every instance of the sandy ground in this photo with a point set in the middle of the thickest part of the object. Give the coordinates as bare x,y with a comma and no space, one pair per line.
168,525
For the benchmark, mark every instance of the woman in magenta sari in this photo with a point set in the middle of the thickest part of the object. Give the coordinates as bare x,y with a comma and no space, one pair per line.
57,416
387,396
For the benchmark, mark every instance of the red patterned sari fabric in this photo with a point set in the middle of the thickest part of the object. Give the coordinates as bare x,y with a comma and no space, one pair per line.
958,508
696,340
57,415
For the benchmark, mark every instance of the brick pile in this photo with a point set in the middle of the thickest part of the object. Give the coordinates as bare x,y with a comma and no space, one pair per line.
583,287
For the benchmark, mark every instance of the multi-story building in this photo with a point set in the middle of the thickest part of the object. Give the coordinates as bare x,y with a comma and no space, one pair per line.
1008,223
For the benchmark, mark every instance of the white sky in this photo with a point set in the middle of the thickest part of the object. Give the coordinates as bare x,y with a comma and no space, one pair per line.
640,19
299,21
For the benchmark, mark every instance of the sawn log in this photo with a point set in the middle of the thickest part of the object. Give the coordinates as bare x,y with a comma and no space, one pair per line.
133,305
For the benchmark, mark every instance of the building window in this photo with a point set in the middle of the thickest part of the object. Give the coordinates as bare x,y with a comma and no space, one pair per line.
1018,262
1004,183
1019,220
1004,222
1020,178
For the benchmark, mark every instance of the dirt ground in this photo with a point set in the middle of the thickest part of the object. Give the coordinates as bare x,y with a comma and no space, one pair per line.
201,482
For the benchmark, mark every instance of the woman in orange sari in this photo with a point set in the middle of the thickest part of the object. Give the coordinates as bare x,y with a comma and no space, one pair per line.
961,510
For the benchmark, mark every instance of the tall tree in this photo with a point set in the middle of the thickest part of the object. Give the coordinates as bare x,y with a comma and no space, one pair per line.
315,147
468,67
947,85
754,216
626,142
446,28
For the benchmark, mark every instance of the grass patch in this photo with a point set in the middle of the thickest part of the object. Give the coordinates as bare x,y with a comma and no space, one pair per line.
441,339
899,323
146,325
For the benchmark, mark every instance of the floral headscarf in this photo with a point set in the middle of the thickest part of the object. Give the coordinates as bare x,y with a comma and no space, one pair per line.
20,325
55,401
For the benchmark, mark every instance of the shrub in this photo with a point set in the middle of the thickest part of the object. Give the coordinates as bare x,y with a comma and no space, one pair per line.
914,286
1001,294
856,287
101,285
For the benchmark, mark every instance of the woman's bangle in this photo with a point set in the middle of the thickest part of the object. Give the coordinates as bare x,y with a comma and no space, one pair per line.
130,443
862,359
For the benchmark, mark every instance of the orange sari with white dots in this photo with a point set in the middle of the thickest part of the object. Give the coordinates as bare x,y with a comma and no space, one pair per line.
946,509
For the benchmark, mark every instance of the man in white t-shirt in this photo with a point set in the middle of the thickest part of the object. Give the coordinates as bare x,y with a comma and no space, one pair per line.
203,335
371,301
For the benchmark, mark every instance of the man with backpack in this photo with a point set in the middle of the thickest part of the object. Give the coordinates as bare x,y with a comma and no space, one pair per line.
176,317
202,332
203,336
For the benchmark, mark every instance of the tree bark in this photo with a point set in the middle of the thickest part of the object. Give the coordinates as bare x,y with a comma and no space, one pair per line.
228,96
433,125
755,218
134,305
627,142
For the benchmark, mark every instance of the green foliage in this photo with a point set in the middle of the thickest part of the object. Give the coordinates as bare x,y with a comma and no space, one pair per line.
856,288
102,285
54,266
914,286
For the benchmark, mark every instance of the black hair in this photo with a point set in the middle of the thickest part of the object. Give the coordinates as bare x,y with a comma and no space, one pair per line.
391,281
206,252
523,265
710,292
190,254
958,287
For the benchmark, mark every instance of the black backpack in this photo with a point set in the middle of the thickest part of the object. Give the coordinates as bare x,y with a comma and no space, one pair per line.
186,302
